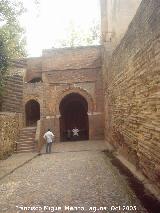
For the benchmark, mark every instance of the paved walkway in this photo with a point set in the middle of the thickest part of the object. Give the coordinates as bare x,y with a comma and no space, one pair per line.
76,178
15,161
77,146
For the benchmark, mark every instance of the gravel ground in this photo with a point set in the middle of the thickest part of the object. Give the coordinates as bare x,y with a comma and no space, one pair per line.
74,181
14,161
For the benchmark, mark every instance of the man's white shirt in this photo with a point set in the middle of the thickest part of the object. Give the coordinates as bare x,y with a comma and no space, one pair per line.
75,132
49,136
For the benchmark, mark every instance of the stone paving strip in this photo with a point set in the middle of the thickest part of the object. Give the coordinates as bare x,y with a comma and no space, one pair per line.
73,180
77,146
13,162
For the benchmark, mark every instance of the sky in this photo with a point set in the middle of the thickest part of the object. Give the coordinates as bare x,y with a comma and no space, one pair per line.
48,22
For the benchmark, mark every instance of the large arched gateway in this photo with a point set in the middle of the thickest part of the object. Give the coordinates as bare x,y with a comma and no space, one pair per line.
32,110
73,109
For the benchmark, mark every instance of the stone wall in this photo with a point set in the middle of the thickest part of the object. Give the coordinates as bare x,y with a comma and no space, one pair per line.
13,94
10,125
132,92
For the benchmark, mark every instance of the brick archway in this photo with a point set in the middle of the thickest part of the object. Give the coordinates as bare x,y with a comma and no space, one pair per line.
32,112
73,110
78,90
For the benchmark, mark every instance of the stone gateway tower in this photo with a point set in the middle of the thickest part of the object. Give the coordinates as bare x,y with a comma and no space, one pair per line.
63,89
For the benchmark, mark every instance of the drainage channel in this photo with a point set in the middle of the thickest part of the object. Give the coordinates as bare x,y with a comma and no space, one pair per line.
148,201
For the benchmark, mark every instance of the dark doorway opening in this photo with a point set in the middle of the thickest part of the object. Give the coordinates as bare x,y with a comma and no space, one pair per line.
73,109
35,80
32,110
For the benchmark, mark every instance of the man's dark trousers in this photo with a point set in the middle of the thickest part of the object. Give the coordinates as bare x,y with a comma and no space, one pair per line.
48,147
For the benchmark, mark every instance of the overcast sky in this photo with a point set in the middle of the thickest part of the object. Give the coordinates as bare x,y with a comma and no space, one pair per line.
49,21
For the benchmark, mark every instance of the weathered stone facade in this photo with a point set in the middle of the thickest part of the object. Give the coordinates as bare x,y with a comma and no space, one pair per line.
10,125
132,92
62,72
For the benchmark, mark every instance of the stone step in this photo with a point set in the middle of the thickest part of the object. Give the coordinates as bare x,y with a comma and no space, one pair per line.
26,150
33,130
25,147
25,131
27,136
26,141
30,133
24,138
29,127
28,146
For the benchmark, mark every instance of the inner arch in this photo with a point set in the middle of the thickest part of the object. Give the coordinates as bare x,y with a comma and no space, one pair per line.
73,109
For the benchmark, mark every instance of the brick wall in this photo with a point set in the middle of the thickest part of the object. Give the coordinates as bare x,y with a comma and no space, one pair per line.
64,71
132,92
10,125
71,58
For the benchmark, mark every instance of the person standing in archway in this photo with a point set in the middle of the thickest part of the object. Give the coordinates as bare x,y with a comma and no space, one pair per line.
49,137
75,133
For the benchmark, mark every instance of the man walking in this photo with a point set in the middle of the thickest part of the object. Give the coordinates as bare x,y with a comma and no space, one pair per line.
49,137
75,133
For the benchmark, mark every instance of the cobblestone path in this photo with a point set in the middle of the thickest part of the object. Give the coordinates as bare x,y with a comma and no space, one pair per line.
74,181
